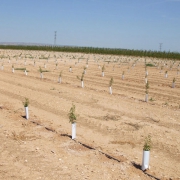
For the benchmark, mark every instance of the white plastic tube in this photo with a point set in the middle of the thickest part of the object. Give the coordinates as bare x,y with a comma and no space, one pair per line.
146,98
27,112
145,160
173,85
73,130
146,80
82,84
41,75
59,80
110,90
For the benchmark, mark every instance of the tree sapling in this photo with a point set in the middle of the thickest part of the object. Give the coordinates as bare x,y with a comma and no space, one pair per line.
26,104
72,119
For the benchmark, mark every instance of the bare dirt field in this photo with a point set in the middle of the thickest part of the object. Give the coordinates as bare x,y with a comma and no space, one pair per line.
110,128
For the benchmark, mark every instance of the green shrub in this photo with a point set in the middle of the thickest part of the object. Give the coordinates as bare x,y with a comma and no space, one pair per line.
150,65
147,144
72,116
111,82
26,102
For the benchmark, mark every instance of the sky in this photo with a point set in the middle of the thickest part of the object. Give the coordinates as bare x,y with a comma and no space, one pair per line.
127,24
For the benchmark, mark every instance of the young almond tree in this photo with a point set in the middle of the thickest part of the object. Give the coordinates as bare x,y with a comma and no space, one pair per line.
85,70
70,69
25,72
12,68
146,71
82,78
166,74
146,153
103,68
147,91
56,65
60,77
45,65
72,119
26,104
173,84
110,85
146,79
2,67
41,72
34,63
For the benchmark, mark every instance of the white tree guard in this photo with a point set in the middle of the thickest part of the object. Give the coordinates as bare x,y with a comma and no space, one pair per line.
145,160
146,98
173,85
73,130
27,112
59,80
41,75
146,80
110,90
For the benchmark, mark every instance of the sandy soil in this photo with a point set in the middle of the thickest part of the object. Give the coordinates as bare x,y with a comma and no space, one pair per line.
110,128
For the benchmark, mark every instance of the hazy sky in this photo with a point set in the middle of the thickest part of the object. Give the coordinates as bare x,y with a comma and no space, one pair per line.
130,24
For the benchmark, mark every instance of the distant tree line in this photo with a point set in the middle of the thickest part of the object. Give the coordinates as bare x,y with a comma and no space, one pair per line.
96,50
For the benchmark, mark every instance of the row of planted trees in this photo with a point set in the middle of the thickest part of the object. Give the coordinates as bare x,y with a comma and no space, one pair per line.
103,69
96,50
73,118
